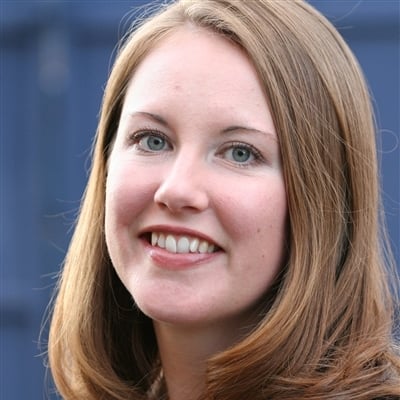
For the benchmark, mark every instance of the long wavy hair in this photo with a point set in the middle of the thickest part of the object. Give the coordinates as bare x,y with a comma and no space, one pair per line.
327,332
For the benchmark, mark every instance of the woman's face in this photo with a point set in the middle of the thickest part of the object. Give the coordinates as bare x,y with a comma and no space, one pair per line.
195,198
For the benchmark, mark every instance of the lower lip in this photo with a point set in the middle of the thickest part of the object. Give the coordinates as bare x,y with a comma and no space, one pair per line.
177,261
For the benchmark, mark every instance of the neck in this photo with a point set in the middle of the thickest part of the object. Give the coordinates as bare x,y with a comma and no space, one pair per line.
184,353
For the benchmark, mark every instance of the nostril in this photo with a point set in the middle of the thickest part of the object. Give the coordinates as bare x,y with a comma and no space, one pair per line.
178,194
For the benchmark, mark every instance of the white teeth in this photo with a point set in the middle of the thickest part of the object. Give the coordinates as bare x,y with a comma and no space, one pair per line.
161,241
170,244
203,247
183,244
194,245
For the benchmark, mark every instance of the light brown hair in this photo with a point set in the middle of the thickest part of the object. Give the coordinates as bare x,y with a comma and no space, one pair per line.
327,334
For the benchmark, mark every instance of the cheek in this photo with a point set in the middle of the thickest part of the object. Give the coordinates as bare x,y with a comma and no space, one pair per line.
257,211
126,195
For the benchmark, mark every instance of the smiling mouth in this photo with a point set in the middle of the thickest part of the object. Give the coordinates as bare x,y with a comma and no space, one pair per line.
180,243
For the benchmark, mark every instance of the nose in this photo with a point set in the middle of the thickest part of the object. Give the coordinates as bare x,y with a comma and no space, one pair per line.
183,187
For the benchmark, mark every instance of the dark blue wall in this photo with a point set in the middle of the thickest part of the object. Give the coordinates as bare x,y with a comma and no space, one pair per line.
55,57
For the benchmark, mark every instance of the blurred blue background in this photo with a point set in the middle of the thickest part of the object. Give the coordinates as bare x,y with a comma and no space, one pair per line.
55,58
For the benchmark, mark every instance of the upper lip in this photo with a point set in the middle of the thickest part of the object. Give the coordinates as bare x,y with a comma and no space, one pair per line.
178,230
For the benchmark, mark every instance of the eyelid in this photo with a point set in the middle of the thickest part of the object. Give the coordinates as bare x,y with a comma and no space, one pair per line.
135,137
141,133
258,156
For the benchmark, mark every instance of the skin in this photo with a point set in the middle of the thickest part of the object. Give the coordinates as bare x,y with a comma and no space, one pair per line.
196,154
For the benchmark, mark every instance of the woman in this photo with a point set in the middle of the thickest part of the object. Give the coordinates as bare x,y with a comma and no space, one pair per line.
228,242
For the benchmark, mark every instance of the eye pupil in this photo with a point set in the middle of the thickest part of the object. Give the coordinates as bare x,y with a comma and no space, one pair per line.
155,143
240,154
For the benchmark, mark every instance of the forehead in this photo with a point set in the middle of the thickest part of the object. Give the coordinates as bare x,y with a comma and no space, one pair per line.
189,45
199,65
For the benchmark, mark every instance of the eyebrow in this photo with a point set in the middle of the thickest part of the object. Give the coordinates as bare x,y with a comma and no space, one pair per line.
154,117
234,128
157,118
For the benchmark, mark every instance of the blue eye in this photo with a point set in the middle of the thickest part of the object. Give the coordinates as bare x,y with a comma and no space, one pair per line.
150,141
241,154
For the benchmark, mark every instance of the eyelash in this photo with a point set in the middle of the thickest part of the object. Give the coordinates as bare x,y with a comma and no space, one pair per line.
136,137
258,157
